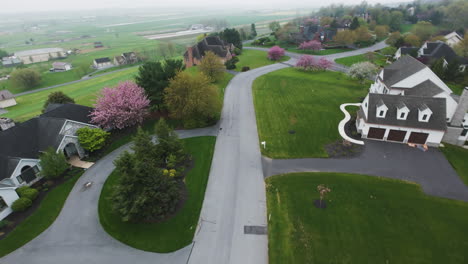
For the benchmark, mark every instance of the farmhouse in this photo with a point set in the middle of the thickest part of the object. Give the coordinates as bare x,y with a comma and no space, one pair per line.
453,38
221,48
61,66
431,51
408,103
11,62
126,59
40,55
6,99
102,63
19,159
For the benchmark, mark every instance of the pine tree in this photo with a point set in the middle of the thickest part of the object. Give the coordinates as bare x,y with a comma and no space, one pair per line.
355,24
438,68
253,31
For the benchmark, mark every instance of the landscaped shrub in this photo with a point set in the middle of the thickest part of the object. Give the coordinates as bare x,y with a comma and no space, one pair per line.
237,51
245,68
21,204
27,192
53,164
231,64
4,223
92,139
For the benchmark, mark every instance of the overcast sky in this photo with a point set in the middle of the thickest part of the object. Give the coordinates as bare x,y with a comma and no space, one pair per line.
22,6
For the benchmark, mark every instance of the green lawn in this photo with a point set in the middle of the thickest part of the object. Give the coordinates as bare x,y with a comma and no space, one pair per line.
379,60
458,157
306,102
456,88
404,28
320,52
83,92
41,219
255,59
176,232
367,220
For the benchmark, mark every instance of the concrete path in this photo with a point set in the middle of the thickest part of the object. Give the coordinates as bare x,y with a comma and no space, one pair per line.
76,236
76,162
341,125
429,169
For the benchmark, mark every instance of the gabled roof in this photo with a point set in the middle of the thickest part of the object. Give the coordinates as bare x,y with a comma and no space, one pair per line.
102,60
73,112
437,106
403,68
408,50
425,89
210,43
5,95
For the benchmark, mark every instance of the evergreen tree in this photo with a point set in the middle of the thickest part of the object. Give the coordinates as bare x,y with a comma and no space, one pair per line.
169,143
231,35
253,31
53,164
354,24
452,71
438,68
57,98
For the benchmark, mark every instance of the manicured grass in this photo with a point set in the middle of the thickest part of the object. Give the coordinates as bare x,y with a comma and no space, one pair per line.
83,92
176,232
367,220
406,28
458,157
41,219
306,102
255,59
320,52
456,88
379,60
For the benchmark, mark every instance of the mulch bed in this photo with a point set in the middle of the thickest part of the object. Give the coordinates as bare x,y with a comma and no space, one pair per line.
344,149
44,186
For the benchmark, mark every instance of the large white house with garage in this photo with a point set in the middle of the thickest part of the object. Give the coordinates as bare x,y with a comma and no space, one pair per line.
21,145
408,103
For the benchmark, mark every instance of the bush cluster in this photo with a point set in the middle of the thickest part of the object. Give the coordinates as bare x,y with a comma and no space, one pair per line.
21,204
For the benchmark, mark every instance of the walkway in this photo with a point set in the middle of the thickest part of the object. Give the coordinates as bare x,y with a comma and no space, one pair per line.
429,169
76,236
341,125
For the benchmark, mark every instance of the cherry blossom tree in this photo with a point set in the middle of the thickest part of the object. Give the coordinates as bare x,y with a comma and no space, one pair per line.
275,53
324,64
123,106
310,45
362,70
306,62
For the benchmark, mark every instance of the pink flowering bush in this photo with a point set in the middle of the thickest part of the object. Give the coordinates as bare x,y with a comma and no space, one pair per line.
324,64
275,53
306,62
311,45
123,106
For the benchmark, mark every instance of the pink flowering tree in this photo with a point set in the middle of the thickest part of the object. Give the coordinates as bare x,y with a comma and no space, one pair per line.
275,53
123,106
306,62
311,45
324,64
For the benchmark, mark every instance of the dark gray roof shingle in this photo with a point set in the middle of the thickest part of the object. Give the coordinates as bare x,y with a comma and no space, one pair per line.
401,69
424,89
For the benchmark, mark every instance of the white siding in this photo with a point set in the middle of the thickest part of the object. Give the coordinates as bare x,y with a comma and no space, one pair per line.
9,195
421,76
7,103
22,164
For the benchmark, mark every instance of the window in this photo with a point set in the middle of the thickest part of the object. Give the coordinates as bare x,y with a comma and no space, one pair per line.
424,118
3,204
402,115
382,112
366,104
20,180
464,132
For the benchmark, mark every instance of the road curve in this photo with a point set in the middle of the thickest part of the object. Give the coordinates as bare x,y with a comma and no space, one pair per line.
76,236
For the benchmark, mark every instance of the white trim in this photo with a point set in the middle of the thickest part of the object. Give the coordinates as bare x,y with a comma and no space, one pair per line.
76,122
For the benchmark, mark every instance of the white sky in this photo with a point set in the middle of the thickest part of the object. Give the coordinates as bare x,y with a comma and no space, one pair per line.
26,6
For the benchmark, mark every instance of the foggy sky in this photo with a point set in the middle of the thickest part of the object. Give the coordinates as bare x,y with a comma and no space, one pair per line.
26,6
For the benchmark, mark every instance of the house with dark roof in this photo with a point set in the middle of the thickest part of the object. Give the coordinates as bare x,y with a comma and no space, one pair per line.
412,51
432,51
60,66
126,58
408,103
453,38
102,63
221,48
22,144
7,99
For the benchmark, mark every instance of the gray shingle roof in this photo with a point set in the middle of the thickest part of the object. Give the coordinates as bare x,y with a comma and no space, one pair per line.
401,69
102,60
210,43
437,106
5,95
425,89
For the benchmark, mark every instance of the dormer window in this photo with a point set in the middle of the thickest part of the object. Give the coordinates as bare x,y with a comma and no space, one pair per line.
381,109
424,113
402,111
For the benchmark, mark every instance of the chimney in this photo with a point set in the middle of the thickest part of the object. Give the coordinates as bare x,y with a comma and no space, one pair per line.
462,108
189,62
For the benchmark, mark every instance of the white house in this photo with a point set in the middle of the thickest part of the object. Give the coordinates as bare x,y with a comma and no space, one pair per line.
6,99
432,51
408,103
61,66
453,38
22,144
102,63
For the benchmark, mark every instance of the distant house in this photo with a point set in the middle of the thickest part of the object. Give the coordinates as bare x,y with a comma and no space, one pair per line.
40,55
11,62
22,144
126,58
431,51
453,38
6,99
102,63
412,51
61,66
98,44
221,48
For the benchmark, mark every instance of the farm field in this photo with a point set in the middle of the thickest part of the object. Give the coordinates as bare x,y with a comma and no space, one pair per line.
367,220
298,112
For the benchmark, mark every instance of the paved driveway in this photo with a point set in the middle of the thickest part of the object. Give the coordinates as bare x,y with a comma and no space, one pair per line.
429,169
76,236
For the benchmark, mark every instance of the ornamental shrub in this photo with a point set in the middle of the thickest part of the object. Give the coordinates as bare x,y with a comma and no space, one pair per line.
21,204
27,192
92,139
245,68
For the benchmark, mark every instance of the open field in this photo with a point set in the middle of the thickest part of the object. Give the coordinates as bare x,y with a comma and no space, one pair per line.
298,112
458,157
176,232
367,220
378,60
255,59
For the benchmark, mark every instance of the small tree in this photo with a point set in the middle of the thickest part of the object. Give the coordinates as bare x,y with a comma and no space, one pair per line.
345,37
423,30
57,98
3,53
53,164
461,48
92,139
275,53
274,26
311,45
123,106
393,38
381,31
362,70
170,148
192,99
253,31
412,40
438,68
306,62
323,190
363,34
354,24
25,78
324,64
212,66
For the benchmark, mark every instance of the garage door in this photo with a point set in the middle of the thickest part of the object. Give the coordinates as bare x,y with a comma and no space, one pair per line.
418,138
396,135
376,133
